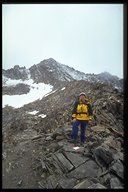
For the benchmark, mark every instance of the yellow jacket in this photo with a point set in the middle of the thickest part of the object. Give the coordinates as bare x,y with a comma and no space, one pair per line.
82,111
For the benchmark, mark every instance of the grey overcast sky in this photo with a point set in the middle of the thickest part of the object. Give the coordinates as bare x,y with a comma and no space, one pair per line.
87,37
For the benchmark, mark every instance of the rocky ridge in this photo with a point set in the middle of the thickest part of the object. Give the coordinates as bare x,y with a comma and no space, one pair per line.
37,152
54,73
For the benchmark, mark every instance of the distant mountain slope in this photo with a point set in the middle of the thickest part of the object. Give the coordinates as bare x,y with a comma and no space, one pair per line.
52,72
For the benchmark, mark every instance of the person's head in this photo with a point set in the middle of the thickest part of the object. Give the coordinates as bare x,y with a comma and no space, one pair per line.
82,97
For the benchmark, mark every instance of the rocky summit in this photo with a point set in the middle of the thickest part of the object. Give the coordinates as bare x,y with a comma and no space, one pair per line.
37,152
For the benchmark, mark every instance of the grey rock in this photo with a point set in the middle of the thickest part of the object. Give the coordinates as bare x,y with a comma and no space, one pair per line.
118,169
70,148
67,166
88,169
75,159
98,128
67,129
97,186
107,178
56,133
85,183
20,183
58,169
119,156
19,89
49,138
4,155
42,184
103,156
61,143
59,137
52,182
115,183
54,147
43,165
67,183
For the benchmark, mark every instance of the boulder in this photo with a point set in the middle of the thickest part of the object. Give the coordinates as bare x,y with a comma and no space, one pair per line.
97,186
103,156
115,183
59,137
118,169
52,182
49,138
88,169
63,163
67,183
118,156
75,159
115,145
86,183
98,128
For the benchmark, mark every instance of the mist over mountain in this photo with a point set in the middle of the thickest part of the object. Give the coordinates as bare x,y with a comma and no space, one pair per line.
36,128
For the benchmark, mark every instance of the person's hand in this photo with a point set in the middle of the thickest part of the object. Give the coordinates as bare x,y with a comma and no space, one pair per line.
91,118
73,120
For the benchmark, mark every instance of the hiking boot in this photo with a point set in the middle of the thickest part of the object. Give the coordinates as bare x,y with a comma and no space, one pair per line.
75,143
72,141
82,144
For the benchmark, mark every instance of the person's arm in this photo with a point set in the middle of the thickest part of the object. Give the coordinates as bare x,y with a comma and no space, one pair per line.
90,111
74,110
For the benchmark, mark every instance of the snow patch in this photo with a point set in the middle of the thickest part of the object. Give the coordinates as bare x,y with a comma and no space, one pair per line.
63,88
75,148
42,115
116,87
49,93
33,112
11,82
28,73
37,91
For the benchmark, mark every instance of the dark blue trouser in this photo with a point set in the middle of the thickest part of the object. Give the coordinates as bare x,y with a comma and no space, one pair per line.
74,133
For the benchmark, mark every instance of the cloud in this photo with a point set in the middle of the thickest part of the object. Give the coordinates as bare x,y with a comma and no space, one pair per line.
88,37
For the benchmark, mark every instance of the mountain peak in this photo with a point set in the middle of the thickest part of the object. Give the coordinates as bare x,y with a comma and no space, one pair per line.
52,60
48,61
105,73
50,71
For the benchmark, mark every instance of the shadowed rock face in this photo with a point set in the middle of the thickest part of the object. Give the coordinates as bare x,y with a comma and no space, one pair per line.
16,73
19,89
37,153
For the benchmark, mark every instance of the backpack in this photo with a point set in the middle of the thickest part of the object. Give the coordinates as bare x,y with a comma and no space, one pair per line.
88,105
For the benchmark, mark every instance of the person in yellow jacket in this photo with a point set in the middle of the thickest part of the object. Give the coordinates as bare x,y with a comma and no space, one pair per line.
81,114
